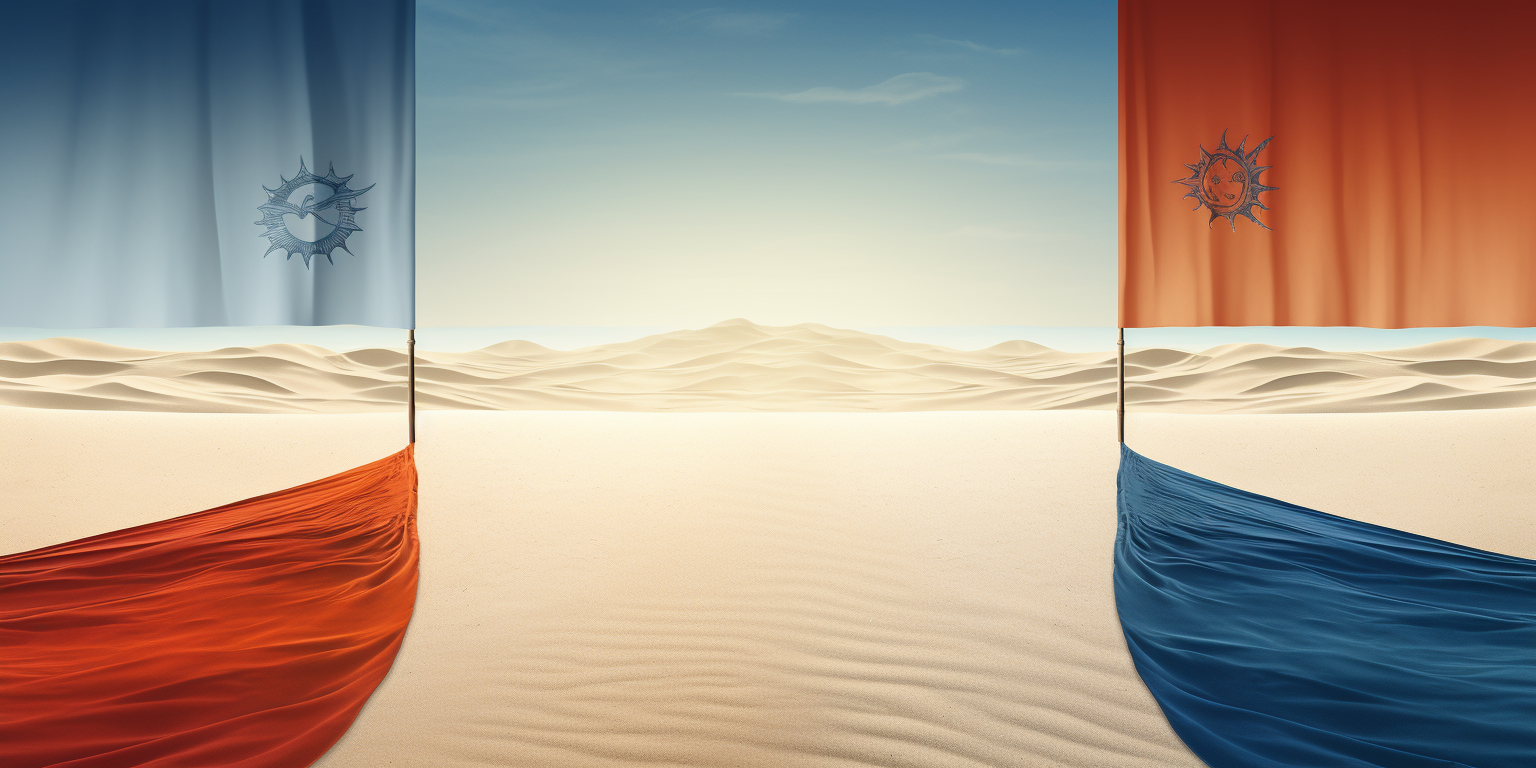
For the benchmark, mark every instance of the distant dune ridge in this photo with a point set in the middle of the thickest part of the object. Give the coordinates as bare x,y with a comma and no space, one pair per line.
741,366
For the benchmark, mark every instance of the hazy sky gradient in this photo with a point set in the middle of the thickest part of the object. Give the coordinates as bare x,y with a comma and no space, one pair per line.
854,164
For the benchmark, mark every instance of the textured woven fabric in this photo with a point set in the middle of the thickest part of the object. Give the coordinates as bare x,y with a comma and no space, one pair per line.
247,635
1274,635
1392,132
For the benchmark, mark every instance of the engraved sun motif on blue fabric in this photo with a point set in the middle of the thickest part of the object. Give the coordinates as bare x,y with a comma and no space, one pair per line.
300,227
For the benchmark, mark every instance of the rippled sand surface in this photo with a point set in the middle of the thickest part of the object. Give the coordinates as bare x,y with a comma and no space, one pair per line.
767,589
741,366
773,590
706,589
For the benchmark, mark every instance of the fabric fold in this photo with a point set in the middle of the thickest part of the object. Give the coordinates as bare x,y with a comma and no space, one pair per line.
1274,635
247,635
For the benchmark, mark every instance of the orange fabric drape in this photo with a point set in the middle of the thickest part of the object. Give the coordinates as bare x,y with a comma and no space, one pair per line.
248,635
1401,160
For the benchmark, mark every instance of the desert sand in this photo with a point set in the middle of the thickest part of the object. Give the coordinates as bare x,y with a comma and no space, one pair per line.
767,589
740,366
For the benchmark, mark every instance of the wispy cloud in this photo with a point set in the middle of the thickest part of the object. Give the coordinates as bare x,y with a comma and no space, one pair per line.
929,143
897,90
1013,161
737,22
491,55
967,44
994,233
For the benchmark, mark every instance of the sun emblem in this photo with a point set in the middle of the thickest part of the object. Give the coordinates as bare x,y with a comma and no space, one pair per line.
1227,182
299,228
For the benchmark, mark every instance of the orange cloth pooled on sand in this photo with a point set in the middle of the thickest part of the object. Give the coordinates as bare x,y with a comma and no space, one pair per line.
247,635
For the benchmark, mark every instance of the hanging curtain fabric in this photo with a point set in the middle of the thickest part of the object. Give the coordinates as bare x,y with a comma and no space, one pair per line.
1324,163
202,162
208,162
1314,162
250,635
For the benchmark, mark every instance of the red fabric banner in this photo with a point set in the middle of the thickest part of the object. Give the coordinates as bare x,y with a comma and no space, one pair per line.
1398,190
248,635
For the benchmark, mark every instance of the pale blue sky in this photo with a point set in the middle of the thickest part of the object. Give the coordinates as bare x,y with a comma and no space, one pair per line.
858,164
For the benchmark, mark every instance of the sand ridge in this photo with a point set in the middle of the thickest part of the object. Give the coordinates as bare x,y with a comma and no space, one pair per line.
741,366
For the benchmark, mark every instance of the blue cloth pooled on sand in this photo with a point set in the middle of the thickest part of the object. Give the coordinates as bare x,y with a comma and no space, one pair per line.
1275,636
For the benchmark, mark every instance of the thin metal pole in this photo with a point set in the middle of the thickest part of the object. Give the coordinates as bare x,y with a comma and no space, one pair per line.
410,348
1120,394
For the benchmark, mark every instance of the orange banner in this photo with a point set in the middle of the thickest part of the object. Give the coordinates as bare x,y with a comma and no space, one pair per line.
1347,162
247,635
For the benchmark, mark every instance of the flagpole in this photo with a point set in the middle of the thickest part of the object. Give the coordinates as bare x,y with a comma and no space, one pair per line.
410,348
1120,392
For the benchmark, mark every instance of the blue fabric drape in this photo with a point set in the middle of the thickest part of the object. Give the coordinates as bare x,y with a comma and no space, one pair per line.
139,140
1274,635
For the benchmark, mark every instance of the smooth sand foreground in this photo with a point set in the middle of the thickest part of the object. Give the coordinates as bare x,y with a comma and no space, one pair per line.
767,589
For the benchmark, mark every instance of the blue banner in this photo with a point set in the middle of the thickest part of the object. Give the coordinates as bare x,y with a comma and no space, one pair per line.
184,163
1275,636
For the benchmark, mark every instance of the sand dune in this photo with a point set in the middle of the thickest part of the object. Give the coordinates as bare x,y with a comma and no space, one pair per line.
741,366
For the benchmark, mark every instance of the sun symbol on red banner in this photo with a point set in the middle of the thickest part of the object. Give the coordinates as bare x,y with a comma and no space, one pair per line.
1227,182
